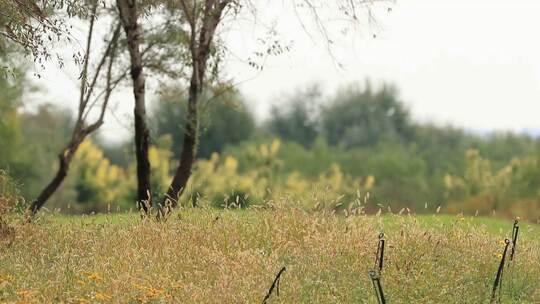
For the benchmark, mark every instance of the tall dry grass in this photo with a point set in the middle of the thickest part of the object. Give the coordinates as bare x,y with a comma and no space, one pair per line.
9,199
211,256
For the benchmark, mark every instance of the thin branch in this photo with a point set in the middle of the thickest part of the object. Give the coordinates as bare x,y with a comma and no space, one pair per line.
102,63
84,73
114,84
109,86
190,19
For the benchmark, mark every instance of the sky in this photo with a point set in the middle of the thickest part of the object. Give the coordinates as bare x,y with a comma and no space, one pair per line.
470,63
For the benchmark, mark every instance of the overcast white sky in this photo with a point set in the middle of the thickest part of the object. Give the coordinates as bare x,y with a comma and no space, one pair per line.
471,63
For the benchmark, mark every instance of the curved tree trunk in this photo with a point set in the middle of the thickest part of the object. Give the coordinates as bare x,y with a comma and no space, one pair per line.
200,42
129,14
49,190
189,151
81,130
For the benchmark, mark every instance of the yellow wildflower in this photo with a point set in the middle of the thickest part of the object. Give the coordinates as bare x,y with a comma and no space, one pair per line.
5,279
102,296
24,294
94,277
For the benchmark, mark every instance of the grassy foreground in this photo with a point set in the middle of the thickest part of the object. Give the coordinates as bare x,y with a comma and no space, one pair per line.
212,256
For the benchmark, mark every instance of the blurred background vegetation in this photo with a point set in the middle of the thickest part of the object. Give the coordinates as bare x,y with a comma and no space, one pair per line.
314,150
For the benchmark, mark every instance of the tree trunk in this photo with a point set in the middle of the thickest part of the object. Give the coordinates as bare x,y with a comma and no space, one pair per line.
200,51
183,172
143,163
64,160
129,16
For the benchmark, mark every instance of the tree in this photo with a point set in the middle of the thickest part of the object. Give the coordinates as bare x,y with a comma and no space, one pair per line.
87,101
129,11
225,120
298,119
32,25
358,117
203,19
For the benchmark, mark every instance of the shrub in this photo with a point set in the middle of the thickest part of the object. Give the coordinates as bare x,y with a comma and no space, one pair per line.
9,199
9,194
511,190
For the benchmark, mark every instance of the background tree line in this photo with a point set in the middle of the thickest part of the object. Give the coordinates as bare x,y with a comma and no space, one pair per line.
363,131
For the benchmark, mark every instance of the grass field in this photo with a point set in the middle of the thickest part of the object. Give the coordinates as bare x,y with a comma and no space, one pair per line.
216,256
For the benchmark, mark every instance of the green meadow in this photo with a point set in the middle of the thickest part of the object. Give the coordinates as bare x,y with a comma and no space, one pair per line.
232,256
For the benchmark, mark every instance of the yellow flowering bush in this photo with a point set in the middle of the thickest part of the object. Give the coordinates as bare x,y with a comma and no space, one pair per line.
511,190
99,181
220,182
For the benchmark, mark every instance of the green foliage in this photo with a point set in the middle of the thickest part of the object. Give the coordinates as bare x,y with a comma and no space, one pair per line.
409,160
220,182
512,190
225,120
296,119
10,137
356,117
161,166
34,25
99,183
44,133
9,194
293,155
400,175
